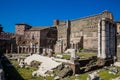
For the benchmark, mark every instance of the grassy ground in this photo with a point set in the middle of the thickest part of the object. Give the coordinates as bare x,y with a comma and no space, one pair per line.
103,74
26,74
85,55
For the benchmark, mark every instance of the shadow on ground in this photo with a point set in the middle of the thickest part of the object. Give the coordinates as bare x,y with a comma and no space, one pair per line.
10,71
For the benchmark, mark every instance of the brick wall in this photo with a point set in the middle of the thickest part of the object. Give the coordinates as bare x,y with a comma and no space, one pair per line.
85,27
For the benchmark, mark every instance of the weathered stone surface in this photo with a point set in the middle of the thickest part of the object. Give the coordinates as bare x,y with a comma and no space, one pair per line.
72,31
106,39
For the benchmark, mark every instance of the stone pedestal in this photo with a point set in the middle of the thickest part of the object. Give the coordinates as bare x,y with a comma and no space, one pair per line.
76,67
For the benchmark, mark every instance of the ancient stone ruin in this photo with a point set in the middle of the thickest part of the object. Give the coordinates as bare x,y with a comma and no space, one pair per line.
106,38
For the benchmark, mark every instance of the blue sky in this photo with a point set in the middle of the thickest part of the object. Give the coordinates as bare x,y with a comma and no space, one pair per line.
43,12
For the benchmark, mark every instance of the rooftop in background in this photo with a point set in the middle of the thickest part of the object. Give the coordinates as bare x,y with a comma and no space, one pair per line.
38,28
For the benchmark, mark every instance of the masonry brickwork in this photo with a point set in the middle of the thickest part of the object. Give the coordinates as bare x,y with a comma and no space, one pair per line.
64,34
34,39
79,33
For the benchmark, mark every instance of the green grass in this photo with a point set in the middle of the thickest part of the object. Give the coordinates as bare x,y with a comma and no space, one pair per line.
27,73
104,74
14,62
66,56
85,55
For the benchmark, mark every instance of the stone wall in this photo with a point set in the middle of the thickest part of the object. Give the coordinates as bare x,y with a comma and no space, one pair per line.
34,39
63,37
86,28
21,28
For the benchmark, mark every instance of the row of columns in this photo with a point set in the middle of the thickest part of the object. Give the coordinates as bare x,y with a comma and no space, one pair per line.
75,45
24,49
106,39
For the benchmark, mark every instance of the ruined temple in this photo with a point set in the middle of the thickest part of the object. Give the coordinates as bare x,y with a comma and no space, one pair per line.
79,33
93,33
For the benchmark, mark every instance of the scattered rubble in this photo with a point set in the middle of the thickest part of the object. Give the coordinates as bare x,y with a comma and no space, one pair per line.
22,64
57,78
113,71
117,64
93,76
46,63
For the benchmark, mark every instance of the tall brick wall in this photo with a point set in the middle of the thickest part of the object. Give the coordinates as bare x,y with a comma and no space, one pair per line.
87,27
82,30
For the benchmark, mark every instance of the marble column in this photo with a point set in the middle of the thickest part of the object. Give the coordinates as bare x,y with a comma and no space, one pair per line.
99,39
108,55
112,40
103,40
106,39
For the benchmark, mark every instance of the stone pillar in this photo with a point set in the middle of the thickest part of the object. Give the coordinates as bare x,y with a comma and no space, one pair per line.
75,67
99,39
112,40
28,50
22,49
107,40
18,49
103,40
38,51
73,55
62,46
34,49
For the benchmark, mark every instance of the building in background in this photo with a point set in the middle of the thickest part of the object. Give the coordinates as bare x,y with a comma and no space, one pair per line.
7,42
64,34
34,39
